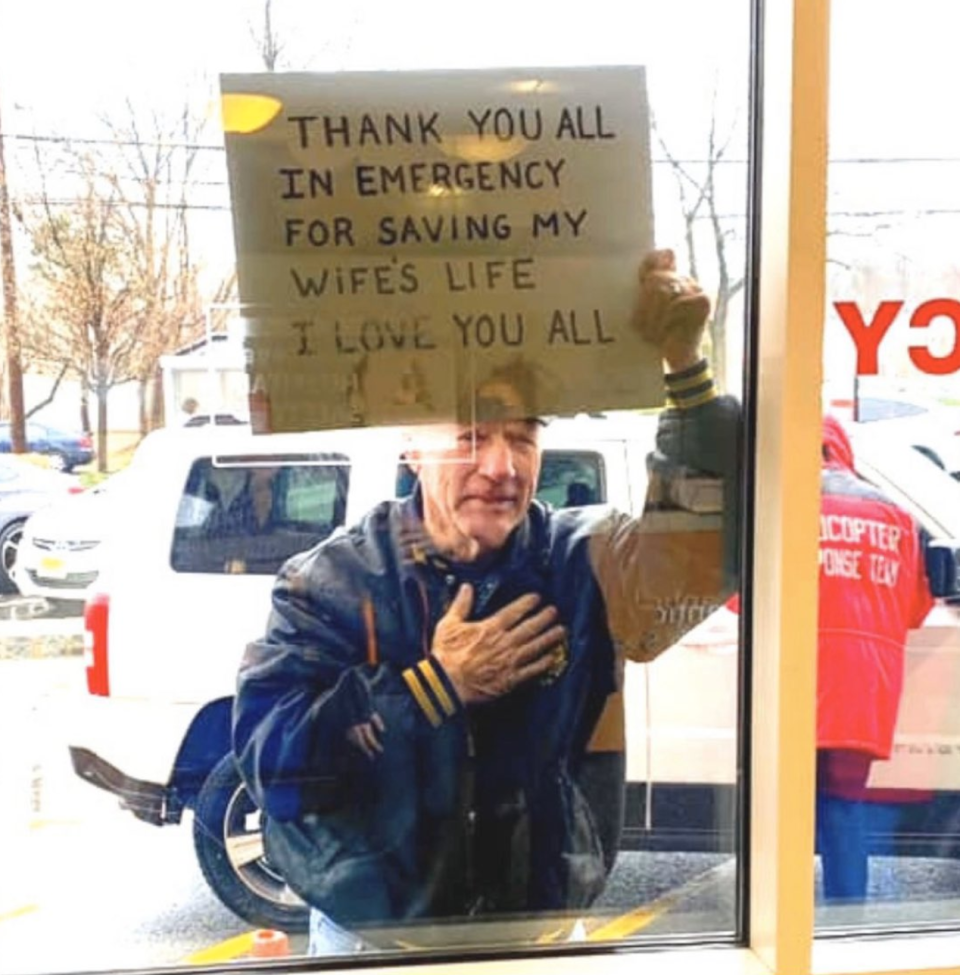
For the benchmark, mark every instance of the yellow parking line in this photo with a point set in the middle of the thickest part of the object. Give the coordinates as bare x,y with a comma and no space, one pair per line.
625,925
44,823
641,917
19,912
224,951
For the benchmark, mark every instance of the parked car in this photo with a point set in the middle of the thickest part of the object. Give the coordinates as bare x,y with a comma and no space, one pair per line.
24,489
59,554
63,450
176,602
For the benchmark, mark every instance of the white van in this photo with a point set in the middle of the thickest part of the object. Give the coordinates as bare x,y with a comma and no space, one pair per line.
176,604
177,599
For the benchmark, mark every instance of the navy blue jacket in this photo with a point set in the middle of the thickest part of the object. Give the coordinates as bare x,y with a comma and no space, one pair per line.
465,810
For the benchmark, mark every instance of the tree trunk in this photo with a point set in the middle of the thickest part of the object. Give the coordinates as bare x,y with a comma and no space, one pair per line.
142,393
85,425
102,392
11,329
157,419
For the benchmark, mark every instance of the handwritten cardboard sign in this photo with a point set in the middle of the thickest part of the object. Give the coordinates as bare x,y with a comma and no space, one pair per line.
423,246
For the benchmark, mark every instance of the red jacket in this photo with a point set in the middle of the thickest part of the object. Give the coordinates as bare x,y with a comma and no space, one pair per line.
873,590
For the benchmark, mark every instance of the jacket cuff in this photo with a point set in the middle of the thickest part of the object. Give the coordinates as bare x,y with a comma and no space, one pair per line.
690,387
432,690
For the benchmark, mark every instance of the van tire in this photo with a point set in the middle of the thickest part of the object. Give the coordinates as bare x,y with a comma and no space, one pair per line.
252,889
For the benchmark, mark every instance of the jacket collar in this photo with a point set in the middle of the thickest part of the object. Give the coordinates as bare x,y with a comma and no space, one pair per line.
418,550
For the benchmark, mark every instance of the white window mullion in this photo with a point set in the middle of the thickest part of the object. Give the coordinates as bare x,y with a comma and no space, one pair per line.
791,308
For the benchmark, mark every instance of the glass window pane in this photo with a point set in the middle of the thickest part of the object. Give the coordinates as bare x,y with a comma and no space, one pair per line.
584,785
887,831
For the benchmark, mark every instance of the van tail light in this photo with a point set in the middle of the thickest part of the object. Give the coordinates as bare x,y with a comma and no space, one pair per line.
96,614
86,441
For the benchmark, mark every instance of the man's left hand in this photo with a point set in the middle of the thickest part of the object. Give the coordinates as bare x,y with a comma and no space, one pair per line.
672,310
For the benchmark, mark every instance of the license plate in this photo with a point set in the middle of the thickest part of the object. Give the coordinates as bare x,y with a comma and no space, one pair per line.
52,568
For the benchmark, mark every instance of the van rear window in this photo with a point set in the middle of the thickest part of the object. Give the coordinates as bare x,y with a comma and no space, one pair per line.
251,517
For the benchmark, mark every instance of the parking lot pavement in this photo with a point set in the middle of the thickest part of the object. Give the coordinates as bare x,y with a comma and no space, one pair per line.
31,628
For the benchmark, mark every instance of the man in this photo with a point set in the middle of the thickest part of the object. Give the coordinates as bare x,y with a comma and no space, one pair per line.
417,722
873,590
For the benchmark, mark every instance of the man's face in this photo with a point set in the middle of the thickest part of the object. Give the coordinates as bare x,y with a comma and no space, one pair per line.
477,483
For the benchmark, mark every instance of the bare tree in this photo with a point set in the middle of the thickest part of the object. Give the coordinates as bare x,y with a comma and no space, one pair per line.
698,193
267,39
153,184
117,287
85,303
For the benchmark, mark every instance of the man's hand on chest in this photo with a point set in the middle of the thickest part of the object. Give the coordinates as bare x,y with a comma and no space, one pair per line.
486,659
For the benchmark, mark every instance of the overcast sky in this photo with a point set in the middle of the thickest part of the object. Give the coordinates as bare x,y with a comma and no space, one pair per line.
64,59
894,64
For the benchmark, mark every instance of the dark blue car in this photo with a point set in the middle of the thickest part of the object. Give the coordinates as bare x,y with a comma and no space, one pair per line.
63,450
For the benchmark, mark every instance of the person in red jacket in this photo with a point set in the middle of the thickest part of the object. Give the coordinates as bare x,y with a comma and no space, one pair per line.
873,590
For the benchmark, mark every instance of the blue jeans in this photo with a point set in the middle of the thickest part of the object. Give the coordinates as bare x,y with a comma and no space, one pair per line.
843,849
844,828
328,938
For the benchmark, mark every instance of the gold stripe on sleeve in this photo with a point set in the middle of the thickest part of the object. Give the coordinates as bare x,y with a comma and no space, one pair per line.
699,400
439,691
700,376
420,695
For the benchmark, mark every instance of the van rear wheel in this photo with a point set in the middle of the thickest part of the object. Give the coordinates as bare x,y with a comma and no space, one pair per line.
228,839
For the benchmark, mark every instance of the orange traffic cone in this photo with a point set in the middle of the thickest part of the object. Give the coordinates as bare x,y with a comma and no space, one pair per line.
269,944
